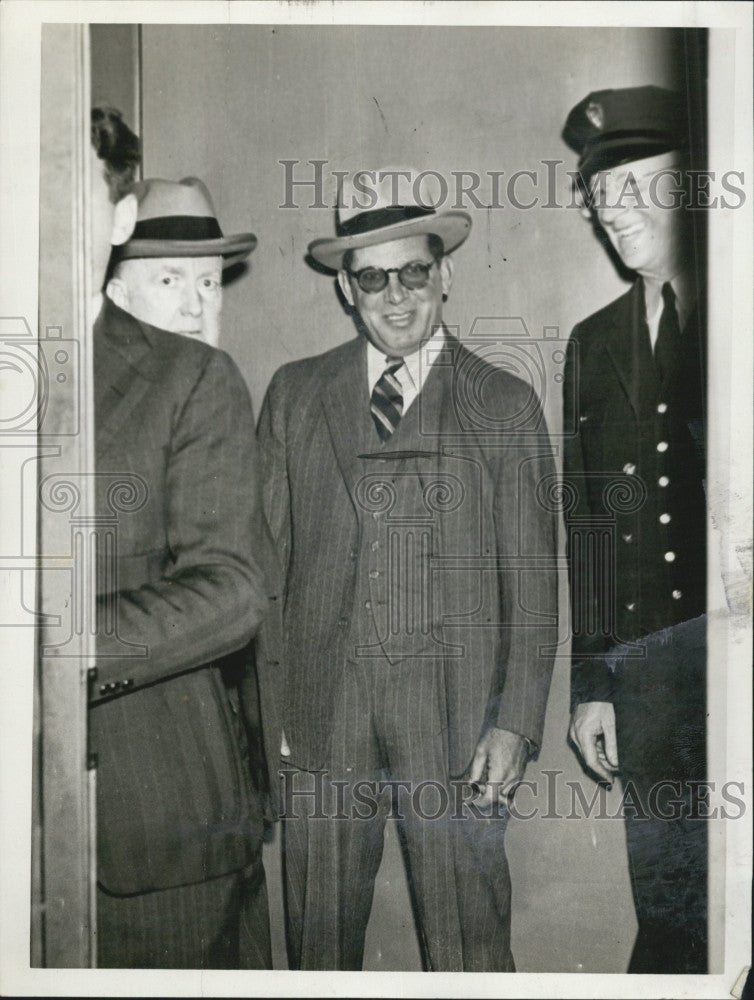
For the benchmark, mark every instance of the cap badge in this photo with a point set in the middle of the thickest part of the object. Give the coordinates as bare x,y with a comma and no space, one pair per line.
595,114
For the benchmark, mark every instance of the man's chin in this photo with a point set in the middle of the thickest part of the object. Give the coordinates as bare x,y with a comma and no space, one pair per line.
211,337
402,342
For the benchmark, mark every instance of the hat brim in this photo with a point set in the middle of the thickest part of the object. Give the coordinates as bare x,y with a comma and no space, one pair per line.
232,249
609,153
452,228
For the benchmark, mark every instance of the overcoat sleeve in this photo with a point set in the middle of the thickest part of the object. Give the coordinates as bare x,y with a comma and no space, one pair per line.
210,596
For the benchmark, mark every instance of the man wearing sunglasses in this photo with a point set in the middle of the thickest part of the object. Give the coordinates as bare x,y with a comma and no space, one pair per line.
402,488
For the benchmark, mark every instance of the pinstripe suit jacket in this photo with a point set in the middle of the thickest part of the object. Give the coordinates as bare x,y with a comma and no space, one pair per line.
493,555
186,594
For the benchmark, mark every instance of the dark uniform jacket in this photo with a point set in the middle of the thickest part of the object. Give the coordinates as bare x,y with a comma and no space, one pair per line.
634,475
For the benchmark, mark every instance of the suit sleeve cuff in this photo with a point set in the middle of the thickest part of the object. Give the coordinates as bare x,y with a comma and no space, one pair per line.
591,680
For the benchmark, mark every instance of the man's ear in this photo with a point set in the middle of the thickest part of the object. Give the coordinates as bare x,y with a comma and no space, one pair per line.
446,274
345,286
117,290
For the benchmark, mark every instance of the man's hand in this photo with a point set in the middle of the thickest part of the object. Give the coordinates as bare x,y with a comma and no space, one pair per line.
593,731
499,761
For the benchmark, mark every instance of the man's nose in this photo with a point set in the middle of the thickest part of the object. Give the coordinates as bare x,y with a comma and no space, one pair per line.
608,213
610,204
192,303
394,290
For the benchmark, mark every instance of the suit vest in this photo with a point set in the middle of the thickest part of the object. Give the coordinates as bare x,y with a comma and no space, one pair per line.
394,609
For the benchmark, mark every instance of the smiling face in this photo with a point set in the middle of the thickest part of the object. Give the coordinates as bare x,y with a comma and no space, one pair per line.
180,294
639,209
398,320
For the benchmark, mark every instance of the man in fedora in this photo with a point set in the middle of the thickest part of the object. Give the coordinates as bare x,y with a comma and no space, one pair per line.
636,380
401,484
181,591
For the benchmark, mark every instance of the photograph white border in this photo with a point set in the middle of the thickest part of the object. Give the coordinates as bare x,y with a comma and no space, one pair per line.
730,306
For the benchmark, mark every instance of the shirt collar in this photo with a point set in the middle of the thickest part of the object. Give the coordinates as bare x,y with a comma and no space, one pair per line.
415,366
683,286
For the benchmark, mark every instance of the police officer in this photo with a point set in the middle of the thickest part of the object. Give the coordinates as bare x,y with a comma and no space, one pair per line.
635,378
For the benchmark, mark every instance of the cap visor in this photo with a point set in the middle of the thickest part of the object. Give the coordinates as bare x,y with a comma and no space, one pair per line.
614,152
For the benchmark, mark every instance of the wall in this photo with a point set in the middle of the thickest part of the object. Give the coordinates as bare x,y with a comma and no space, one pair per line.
227,104
114,69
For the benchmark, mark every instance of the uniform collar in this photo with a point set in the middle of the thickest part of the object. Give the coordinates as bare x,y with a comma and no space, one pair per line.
683,286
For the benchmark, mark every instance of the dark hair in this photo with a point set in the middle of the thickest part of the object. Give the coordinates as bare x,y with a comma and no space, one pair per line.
118,148
434,245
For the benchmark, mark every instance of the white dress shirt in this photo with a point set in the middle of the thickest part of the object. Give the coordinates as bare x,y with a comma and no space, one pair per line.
413,372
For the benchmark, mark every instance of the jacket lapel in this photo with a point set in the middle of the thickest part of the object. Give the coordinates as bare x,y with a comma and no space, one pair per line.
629,348
346,403
125,367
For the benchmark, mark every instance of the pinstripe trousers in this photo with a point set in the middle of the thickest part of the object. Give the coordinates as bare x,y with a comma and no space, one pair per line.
222,923
388,756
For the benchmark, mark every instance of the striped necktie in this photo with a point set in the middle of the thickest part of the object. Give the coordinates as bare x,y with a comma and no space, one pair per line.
386,404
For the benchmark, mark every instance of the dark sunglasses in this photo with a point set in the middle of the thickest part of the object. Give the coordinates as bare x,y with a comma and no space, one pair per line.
413,275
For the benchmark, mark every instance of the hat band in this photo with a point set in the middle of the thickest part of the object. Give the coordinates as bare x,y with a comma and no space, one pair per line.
178,227
379,218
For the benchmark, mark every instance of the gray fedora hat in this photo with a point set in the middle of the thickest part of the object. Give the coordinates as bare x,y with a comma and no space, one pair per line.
177,219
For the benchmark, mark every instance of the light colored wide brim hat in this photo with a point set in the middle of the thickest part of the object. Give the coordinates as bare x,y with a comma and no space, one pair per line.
161,218
387,217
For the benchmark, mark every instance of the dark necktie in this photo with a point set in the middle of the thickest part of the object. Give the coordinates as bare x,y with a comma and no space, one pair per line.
387,400
668,347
